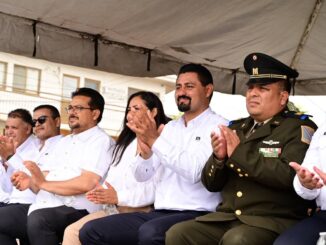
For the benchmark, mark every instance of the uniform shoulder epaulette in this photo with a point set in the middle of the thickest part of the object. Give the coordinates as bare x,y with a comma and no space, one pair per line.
236,121
298,115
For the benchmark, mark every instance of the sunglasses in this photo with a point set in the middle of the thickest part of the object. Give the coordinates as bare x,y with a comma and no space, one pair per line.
40,120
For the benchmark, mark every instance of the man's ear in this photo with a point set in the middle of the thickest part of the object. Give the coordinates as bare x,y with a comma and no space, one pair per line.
209,90
57,122
96,114
284,97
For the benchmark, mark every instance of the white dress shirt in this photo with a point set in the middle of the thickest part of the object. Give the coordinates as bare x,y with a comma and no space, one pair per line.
87,151
180,155
29,151
5,186
315,156
130,192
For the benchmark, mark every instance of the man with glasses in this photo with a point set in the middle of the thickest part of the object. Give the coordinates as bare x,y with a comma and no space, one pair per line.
20,144
79,163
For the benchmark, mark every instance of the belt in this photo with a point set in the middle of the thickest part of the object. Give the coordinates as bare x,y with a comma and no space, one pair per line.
126,209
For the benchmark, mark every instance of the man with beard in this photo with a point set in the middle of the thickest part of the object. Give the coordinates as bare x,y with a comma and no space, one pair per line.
77,165
18,145
250,165
181,149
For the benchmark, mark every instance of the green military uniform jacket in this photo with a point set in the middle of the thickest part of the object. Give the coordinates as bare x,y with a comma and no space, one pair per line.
256,180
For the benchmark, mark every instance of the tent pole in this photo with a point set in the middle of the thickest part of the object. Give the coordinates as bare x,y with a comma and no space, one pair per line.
306,33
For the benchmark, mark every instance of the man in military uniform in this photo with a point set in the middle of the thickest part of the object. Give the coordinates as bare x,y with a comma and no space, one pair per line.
250,165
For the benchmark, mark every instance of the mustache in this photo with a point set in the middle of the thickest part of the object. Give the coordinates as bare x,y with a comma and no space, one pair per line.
73,117
183,97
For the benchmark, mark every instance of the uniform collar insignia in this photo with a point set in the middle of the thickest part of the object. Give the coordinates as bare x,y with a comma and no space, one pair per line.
270,142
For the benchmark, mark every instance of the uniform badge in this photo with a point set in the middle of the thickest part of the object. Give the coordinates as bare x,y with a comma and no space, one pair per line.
271,142
306,134
270,152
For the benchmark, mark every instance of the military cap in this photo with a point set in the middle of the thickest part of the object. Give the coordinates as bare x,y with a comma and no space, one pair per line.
264,69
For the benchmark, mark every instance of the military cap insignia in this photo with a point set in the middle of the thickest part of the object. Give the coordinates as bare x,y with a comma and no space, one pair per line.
306,134
255,71
254,57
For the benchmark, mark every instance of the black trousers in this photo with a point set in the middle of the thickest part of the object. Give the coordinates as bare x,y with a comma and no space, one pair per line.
305,232
13,223
133,228
46,226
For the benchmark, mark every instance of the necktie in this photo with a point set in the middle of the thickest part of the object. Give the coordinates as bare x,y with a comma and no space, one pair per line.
254,128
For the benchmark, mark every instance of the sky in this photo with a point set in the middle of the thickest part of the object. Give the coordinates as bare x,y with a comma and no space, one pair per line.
233,107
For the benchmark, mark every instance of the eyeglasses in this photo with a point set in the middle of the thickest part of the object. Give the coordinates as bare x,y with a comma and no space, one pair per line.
77,108
40,120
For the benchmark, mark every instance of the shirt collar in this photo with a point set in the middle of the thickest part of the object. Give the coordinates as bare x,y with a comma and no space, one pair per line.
30,140
199,118
85,135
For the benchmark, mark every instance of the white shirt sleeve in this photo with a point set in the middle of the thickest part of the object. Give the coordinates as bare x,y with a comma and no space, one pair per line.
144,169
187,160
314,157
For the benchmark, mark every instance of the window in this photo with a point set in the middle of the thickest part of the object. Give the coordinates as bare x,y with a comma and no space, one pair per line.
94,84
3,74
69,85
26,79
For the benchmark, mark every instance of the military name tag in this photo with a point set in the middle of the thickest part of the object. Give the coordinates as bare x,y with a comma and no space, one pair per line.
270,152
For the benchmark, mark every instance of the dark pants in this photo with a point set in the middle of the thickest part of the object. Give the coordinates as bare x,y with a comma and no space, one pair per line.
133,228
13,223
46,226
305,232
234,232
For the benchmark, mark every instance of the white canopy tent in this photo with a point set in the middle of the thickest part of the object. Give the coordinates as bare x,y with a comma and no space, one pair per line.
153,37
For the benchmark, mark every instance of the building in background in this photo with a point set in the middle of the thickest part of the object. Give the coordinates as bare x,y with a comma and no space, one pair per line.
27,83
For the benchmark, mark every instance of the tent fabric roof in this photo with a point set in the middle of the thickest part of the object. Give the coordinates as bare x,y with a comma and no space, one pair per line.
153,38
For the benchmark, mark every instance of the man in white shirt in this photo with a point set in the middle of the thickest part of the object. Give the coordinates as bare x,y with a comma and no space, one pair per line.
309,183
18,134
182,148
79,163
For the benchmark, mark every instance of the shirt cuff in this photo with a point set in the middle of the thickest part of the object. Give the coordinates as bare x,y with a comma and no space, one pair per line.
303,191
218,163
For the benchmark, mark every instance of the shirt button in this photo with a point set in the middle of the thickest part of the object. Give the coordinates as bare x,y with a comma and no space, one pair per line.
231,165
210,175
246,174
239,170
239,194
240,175
238,212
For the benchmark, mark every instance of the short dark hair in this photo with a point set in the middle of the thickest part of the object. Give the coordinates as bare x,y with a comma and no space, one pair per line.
204,75
23,114
96,102
54,111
